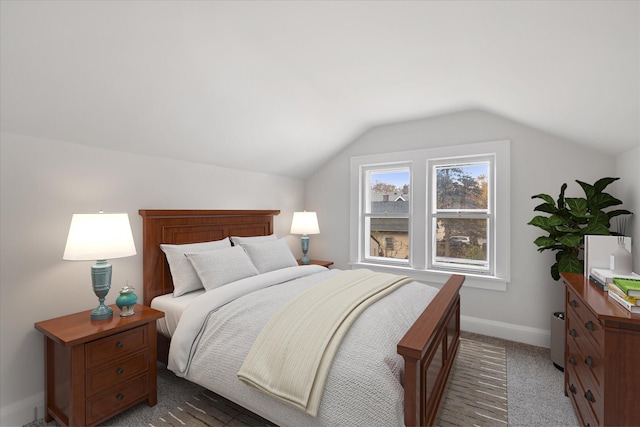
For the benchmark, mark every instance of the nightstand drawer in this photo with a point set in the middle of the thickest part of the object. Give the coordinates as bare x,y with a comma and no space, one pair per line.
582,315
107,349
104,405
100,379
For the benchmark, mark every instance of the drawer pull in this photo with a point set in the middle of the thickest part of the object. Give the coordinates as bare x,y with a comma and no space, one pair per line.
119,371
120,396
589,325
572,360
589,396
119,344
573,333
589,361
572,389
573,303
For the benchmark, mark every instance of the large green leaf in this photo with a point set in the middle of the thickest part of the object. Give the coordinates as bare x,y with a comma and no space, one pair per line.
596,228
603,200
555,273
547,198
569,263
561,196
577,206
588,189
618,212
570,240
545,242
603,183
541,222
545,207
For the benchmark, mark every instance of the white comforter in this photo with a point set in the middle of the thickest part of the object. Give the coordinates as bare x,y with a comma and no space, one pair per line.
364,387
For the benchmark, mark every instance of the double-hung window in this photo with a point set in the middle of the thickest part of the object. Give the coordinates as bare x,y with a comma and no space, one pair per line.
386,213
434,211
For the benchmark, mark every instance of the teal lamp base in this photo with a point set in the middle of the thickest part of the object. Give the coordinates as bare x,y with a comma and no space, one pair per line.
101,281
305,248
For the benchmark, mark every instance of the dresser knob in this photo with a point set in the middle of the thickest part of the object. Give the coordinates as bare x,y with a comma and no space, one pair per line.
572,360
572,389
589,396
119,344
589,361
573,303
589,325
120,396
119,371
573,333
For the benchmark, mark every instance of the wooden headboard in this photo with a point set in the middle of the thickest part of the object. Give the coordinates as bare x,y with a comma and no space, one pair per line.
191,226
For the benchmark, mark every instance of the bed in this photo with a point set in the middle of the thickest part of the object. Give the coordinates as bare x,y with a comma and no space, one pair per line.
427,347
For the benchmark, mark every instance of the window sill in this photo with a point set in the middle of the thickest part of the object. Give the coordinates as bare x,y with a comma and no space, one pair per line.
478,281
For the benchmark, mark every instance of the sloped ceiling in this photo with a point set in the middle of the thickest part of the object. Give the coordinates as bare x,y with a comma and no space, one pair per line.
280,87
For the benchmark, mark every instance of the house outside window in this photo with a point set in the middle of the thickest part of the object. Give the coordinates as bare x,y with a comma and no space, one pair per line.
434,211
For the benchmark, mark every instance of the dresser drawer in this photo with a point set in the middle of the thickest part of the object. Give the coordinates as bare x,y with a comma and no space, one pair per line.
581,353
104,405
107,349
99,379
577,390
581,315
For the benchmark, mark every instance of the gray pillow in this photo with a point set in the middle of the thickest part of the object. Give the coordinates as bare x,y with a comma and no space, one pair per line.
235,240
270,255
184,276
217,268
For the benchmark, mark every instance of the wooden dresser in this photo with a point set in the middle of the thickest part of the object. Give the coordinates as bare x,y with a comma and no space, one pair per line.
602,356
96,369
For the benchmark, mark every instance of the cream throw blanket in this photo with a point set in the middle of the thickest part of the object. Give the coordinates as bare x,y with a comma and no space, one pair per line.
291,357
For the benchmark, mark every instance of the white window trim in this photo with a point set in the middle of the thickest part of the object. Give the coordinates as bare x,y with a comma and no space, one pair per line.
418,268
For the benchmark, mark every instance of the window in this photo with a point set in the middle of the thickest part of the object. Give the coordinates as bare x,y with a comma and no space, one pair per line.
434,211
386,213
461,215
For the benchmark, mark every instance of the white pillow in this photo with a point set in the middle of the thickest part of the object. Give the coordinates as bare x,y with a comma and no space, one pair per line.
184,276
235,240
217,268
270,255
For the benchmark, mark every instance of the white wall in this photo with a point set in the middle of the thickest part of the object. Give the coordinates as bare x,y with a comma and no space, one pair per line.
43,183
540,163
628,190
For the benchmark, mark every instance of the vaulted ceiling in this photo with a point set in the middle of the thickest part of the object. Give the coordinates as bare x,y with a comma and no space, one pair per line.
280,87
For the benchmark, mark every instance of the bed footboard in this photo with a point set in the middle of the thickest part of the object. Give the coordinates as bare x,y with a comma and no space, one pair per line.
429,349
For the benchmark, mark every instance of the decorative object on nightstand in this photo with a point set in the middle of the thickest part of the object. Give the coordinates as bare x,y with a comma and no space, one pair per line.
305,223
99,237
126,300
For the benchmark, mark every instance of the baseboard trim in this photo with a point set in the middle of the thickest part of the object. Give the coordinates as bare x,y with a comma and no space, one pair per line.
506,331
23,411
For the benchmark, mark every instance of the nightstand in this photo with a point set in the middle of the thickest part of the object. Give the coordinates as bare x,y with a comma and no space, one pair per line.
97,369
326,264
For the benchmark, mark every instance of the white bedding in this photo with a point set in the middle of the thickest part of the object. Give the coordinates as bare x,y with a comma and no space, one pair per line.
364,386
173,307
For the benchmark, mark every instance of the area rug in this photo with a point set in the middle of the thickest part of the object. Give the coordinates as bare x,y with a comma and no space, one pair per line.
475,396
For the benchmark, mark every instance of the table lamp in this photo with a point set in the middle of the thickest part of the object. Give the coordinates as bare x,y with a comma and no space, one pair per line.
99,237
305,223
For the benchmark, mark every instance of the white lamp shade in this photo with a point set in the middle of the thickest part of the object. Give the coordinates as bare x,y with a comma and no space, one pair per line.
99,236
305,223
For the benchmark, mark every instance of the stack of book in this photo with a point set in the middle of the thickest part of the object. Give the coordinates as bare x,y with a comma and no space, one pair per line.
624,289
601,277
625,292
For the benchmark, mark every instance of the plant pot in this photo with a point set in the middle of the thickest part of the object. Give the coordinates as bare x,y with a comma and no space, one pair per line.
557,339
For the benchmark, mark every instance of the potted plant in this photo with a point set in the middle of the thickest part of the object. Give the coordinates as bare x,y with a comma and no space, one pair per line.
569,220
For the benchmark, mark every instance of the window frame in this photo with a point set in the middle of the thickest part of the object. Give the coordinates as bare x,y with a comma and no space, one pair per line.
434,213
365,216
419,266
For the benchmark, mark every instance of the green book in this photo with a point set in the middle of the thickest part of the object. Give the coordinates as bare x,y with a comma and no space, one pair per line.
630,287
